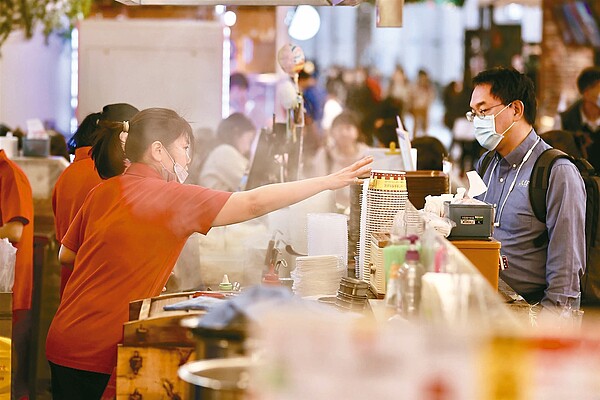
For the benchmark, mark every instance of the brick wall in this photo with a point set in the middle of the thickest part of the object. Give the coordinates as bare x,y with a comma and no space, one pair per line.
559,65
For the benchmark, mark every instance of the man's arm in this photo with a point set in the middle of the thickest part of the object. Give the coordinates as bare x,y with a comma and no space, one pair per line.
565,222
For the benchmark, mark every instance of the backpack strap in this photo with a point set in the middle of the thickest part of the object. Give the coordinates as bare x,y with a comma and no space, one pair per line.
485,162
538,187
540,180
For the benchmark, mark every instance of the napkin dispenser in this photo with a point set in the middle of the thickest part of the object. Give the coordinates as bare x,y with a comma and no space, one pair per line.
473,221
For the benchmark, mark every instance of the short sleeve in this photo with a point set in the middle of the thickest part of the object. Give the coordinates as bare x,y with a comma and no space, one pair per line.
15,196
74,236
194,208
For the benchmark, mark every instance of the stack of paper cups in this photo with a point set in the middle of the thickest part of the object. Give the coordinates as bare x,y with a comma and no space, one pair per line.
327,234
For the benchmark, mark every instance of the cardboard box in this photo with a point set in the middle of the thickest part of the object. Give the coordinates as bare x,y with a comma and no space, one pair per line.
485,256
473,221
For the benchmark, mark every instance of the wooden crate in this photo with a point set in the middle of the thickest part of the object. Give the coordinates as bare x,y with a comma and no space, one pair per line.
150,373
154,346
150,325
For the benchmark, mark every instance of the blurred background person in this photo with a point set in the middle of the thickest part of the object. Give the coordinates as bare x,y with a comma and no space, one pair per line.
455,102
203,142
387,112
564,141
314,102
58,144
463,134
385,135
430,153
422,94
227,162
238,93
361,100
398,92
582,118
334,105
344,144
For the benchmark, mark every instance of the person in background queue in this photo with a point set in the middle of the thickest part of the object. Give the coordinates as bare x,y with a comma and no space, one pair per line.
226,164
546,260
422,95
238,93
16,211
582,118
129,232
75,182
344,145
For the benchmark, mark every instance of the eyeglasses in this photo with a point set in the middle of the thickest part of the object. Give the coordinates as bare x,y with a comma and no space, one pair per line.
480,114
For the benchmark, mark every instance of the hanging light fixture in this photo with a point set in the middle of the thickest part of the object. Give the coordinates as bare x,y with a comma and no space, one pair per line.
305,23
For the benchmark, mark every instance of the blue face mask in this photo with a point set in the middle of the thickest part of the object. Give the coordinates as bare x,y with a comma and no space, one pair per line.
485,130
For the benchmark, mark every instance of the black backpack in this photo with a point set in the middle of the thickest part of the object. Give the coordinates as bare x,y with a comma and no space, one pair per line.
538,187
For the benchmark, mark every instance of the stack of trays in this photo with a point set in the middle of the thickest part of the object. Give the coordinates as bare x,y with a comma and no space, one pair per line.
316,275
352,294
420,184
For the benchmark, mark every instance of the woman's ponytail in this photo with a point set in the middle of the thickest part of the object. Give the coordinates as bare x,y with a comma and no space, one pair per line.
107,150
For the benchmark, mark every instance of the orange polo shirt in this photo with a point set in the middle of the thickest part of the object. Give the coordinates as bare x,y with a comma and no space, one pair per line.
70,190
127,235
16,204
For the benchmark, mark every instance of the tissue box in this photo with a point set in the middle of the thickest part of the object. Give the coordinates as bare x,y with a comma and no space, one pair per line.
36,147
473,221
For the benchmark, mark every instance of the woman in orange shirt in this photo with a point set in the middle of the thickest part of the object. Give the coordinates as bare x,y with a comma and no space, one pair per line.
80,177
129,232
16,224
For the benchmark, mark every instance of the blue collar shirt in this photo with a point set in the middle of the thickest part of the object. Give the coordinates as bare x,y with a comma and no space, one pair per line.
551,273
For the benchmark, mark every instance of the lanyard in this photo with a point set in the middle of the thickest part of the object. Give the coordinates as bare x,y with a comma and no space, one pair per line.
512,185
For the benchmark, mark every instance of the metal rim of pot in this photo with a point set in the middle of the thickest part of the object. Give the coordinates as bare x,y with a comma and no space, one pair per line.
189,373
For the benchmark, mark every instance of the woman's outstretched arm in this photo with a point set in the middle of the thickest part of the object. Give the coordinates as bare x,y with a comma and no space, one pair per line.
243,206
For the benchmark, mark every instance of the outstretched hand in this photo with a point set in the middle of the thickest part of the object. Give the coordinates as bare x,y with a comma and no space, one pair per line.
351,174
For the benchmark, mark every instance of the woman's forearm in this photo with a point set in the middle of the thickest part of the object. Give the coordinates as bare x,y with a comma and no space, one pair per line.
243,206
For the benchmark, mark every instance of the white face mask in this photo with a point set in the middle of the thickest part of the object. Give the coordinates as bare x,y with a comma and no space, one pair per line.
485,130
178,170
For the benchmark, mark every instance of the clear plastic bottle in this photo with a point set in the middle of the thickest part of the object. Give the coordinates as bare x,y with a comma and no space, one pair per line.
410,275
392,299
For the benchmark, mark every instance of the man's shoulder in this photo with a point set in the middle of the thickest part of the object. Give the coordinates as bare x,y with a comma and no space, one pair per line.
571,117
575,107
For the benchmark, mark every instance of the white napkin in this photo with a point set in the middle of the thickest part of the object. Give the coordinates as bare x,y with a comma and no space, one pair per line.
476,184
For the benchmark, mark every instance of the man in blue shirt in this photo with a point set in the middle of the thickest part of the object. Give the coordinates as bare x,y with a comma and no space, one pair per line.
503,111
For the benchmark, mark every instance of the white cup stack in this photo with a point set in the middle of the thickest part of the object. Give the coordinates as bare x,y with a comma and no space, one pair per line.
317,275
328,235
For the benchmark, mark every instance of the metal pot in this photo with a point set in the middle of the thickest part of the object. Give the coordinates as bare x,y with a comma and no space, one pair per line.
217,343
217,379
